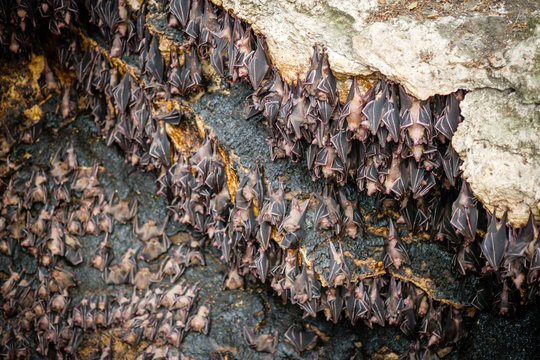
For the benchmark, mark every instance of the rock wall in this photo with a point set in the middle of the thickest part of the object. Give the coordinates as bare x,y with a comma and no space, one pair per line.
429,48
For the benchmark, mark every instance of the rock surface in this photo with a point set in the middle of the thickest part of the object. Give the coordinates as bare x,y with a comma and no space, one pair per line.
499,141
429,48
256,306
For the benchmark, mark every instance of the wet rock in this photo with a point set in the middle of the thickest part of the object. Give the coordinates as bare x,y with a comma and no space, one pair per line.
499,144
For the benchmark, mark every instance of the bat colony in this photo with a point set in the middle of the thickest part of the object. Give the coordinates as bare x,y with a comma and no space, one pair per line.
385,142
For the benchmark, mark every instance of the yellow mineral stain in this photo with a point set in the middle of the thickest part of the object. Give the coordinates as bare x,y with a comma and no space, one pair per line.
427,286
199,121
232,178
36,66
34,114
305,258
122,66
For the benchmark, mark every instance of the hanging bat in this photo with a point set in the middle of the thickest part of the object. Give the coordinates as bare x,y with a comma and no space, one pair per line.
328,213
495,241
295,220
377,107
377,304
181,10
357,303
339,271
464,213
122,93
193,27
258,65
335,302
391,118
451,164
301,340
160,148
261,343
154,61
261,264
352,113
448,122
395,252
224,50
415,117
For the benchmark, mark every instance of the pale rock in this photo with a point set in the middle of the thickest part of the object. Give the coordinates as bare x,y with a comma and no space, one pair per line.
428,54
499,142
431,48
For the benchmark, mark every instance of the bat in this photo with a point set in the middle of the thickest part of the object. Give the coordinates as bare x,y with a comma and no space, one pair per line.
335,301
261,264
258,66
301,340
495,242
160,148
328,213
464,213
181,10
154,61
376,107
339,273
395,252
415,117
448,122
391,118
261,343
377,304
357,303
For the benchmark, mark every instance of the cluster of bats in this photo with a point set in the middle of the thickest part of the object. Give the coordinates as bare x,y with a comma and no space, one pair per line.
22,20
385,141
46,216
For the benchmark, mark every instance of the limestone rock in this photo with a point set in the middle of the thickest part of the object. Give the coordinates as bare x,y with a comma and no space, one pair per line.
430,50
499,142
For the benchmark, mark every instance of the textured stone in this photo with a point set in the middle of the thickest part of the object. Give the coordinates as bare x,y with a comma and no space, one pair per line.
499,141
430,49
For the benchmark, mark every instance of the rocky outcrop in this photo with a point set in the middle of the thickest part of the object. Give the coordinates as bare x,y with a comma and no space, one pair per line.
429,49
499,141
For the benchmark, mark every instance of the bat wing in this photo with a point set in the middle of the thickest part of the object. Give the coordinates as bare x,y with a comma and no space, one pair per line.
258,66
341,144
372,174
448,122
495,242
180,9
328,85
122,93
262,266
160,148
416,176
424,116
